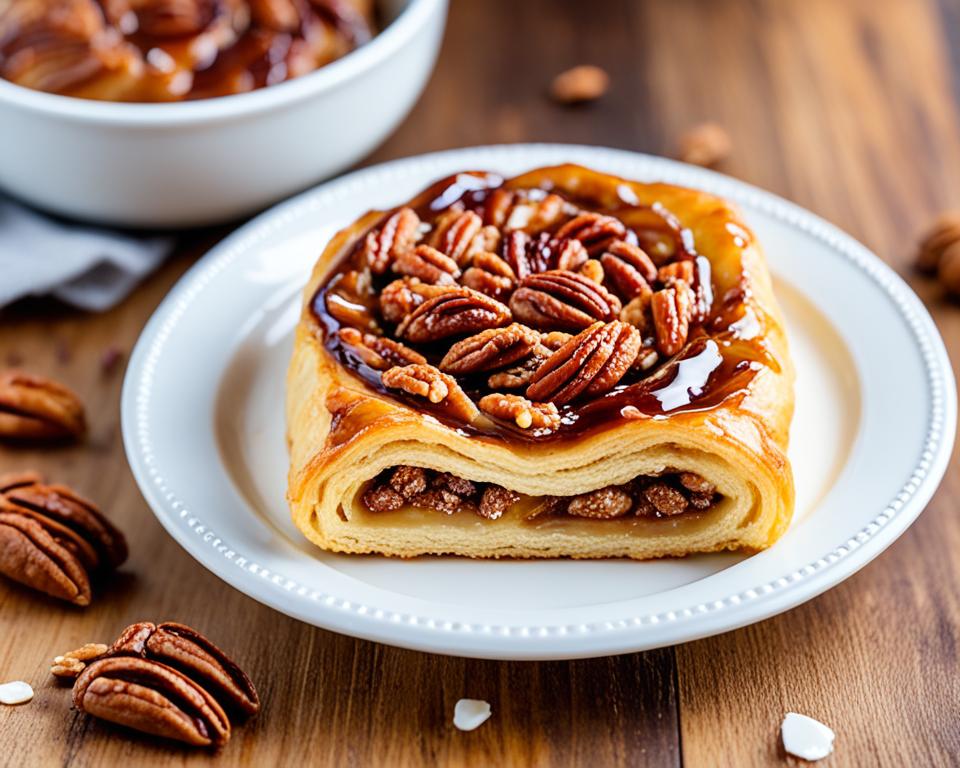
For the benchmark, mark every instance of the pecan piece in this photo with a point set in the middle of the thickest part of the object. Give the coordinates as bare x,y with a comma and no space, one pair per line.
491,275
37,408
495,501
523,412
428,264
347,299
670,273
941,237
595,230
665,499
706,144
191,653
515,254
153,698
408,481
590,364
637,312
453,313
592,270
672,309
432,384
603,504
381,498
493,348
518,376
401,297
580,84
456,235
397,234
535,215
72,663
379,352
561,299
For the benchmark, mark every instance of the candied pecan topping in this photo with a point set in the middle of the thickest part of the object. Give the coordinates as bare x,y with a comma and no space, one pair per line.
591,363
672,309
401,297
428,264
490,349
637,312
432,384
409,481
517,376
665,499
381,499
604,504
592,270
490,274
455,235
523,412
397,234
628,268
498,206
669,274
453,313
595,230
562,299
379,352
555,339
515,247
535,215
495,501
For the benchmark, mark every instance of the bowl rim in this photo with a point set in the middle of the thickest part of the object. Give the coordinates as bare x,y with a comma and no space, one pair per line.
412,17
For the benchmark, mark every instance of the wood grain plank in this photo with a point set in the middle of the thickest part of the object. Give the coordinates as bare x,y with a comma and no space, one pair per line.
860,96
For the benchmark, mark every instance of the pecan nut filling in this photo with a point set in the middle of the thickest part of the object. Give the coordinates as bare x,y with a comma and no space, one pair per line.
521,314
667,494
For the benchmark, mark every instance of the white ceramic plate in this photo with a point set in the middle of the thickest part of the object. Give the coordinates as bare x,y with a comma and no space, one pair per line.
204,431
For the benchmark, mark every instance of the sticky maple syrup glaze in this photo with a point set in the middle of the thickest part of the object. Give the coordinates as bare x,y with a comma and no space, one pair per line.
722,356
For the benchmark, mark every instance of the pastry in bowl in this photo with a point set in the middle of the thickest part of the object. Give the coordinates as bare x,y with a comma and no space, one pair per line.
561,364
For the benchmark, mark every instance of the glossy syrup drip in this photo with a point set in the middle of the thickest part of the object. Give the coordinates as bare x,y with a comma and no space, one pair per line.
718,363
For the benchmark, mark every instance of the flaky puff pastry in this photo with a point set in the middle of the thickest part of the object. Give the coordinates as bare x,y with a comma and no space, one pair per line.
721,409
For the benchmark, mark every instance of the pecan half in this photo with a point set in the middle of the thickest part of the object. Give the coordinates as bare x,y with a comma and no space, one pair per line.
456,235
560,299
668,274
60,507
672,309
592,270
579,84
591,363
533,215
706,144
518,376
30,555
428,264
595,230
191,653
637,312
53,540
37,408
153,698
603,504
493,348
453,313
490,274
629,268
432,384
515,253
401,297
397,234
523,412
379,352
665,499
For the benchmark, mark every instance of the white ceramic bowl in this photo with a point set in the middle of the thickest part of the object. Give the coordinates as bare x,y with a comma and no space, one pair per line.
201,162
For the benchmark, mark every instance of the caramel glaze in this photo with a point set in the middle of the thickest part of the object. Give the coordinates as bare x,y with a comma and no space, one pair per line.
718,363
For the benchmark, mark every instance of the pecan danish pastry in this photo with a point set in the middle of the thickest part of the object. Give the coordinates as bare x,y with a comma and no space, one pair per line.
559,364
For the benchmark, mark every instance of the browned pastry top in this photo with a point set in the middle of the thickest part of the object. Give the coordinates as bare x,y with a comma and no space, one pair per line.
533,310
172,50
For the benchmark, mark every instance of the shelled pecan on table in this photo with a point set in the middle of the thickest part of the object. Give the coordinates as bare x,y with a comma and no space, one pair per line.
35,408
53,540
164,679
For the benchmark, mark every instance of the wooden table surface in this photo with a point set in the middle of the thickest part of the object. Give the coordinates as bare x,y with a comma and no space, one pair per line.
848,108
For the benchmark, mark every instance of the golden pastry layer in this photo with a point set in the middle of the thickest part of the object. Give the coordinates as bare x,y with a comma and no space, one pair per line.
561,364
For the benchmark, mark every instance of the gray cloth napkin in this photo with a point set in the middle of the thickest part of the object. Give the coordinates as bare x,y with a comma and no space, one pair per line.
88,267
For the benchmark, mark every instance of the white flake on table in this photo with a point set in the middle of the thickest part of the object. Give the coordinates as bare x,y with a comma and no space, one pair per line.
805,737
17,692
470,713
